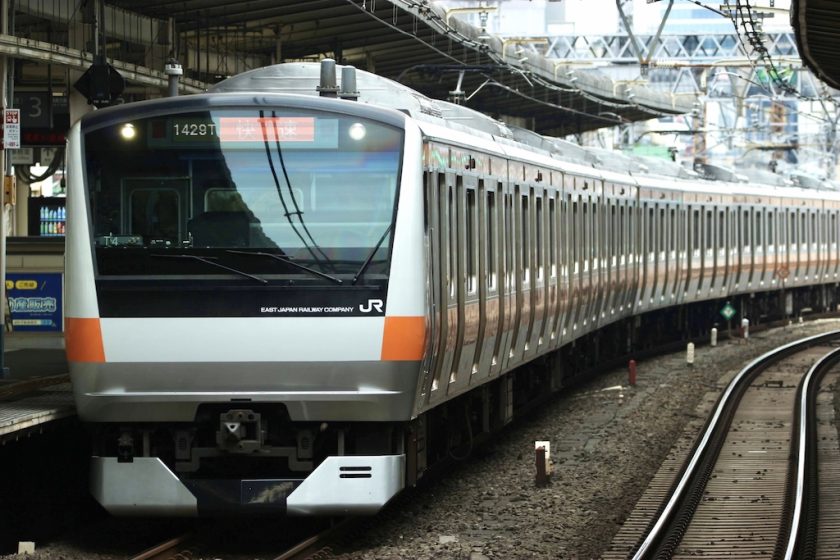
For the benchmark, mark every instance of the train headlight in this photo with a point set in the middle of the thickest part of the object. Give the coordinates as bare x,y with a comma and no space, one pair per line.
128,131
357,131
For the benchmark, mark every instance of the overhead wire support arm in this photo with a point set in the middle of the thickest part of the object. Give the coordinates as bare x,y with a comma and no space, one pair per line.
644,61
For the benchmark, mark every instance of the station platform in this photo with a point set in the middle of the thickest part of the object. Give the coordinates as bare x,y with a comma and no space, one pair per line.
36,388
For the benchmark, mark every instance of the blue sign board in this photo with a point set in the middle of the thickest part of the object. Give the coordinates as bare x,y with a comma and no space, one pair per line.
34,301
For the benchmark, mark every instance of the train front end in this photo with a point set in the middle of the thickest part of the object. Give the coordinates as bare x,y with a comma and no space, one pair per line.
245,302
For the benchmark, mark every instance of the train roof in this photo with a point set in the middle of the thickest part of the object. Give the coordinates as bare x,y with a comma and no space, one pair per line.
304,78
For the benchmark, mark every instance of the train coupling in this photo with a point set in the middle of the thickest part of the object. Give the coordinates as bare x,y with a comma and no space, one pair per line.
240,431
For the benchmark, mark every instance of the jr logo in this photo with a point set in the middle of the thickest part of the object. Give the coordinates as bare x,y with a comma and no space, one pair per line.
371,305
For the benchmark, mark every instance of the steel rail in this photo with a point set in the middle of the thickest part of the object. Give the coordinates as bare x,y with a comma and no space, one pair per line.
703,450
804,452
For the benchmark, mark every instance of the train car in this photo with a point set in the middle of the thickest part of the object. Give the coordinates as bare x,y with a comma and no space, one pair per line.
288,296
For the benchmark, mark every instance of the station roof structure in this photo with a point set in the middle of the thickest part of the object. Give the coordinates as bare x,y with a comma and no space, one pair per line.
817,27
415,42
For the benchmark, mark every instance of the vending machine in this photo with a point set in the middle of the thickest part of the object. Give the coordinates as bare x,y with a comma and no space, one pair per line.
47,216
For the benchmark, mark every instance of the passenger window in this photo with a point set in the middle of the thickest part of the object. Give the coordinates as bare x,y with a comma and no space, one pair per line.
471,241
552,237
526,239
491,240
539,236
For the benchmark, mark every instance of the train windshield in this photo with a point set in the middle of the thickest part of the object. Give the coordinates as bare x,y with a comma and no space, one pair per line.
248,189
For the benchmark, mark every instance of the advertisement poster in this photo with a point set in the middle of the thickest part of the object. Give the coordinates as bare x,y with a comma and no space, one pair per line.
34,301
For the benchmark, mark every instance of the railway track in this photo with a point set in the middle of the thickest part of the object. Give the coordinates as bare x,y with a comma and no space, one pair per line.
756,482
313,545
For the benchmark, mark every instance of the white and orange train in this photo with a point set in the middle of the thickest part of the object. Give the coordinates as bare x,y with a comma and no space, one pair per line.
285,301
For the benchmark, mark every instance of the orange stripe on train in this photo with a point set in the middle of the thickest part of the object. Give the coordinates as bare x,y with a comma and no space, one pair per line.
404,338
83,339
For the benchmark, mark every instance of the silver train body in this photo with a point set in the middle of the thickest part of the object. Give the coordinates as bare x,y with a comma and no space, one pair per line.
271,292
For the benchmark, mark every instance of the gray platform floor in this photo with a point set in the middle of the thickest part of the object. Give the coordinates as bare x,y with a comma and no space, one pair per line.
35,389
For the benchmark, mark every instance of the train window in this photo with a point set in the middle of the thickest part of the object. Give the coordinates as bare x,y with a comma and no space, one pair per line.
596,245
803,231
471,242
813,229
708,231
508,235
491,244
290,182
833,231
525,238
575,235
721,239
663,231
745,232
613,233
759,229
651,235
539,236
771,231
552,237
452,215
622,249
672,247
695,231
154,213
586,236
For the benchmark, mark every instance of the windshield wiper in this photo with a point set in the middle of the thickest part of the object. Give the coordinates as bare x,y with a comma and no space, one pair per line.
289,262
212,263
372,253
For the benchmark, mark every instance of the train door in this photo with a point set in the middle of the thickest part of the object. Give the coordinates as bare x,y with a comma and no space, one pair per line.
619,259
662,243
613,235
454,317
708,255
490,273
437,223
731,248
813,244
636,214
822,247
670,249
587,261
770,245
792,245
535,261
693,250
520,274
631,269
782,263
470,316
509,285
551,334
746,248
760,248
541,336
604,248
642,302
683,252
564,283
720,251
801,247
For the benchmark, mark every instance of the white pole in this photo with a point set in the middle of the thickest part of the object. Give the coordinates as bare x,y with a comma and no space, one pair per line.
714,336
